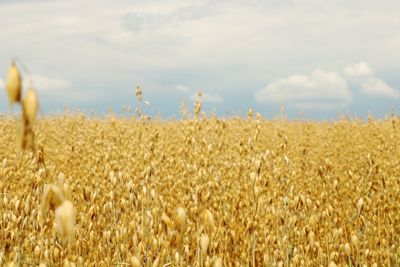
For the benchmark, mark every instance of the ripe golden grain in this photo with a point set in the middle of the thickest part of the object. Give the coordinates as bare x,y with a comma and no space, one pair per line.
209,219
347,249
36,252
53,197
138,93
360,204
204,242
180,219
135,262
196,191
354,240
218,262
65,221
14,84
30,106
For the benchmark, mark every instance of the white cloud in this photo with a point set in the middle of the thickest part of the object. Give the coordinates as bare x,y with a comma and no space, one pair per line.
374,86
359,70
363,75
395,43
320,90
182,88
112,45
207,97
44,83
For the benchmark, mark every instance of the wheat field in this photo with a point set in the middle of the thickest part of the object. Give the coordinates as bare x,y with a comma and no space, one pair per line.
118,191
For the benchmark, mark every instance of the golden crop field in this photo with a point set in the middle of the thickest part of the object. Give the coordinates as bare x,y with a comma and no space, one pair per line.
119,191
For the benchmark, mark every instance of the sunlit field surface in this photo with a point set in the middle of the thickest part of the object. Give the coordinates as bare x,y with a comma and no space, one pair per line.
117,191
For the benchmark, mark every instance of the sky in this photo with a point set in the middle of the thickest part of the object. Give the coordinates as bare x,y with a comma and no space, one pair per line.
314,59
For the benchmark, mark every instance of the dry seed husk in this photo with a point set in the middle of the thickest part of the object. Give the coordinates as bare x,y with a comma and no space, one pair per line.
30,106
14,84
297,216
